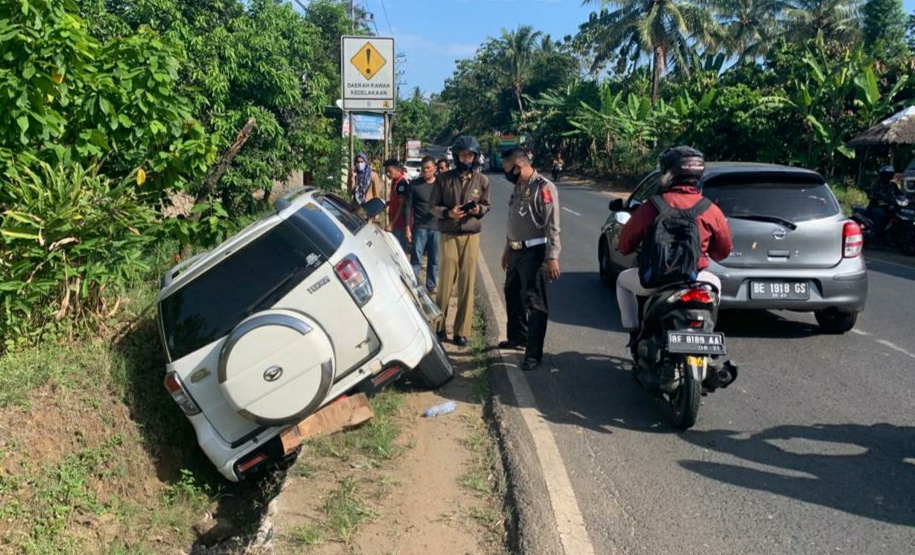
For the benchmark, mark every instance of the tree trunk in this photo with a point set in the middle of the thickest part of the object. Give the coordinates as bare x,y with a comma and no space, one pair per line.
518,98
660,64
209,185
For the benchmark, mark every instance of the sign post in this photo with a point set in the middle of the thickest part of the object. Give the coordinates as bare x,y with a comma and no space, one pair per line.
368,81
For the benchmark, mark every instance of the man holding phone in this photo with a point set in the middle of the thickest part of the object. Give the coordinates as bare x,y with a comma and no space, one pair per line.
459,200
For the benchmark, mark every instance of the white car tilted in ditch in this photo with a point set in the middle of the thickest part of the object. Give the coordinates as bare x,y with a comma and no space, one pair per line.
307,304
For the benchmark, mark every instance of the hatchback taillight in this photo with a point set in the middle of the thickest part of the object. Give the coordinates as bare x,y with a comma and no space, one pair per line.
353,275
176,389
852,240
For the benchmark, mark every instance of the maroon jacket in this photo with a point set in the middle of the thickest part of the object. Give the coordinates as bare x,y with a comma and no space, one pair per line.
714,231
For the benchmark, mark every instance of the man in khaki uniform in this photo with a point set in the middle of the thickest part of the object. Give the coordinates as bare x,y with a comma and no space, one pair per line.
531,255
460,198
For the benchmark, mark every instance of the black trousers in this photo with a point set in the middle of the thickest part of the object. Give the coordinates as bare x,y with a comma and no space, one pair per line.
525,298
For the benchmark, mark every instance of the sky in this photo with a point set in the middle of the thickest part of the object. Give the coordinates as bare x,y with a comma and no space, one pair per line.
433,34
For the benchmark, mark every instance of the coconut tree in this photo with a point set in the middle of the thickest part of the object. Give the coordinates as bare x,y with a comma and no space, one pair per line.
750,26
666,30
833,19
518,49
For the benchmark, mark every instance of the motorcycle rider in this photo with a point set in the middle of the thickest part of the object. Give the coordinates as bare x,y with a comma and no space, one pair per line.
881,195
680,168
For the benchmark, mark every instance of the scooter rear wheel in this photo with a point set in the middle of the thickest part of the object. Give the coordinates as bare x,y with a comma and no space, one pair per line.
685,401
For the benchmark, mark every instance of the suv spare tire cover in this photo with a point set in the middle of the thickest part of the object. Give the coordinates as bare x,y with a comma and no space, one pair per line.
276,367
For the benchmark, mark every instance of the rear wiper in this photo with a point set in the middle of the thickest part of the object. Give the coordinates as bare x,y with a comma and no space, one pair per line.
764,218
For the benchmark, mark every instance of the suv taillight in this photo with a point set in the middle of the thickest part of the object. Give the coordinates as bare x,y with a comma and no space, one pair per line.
852,240
352,274
176,389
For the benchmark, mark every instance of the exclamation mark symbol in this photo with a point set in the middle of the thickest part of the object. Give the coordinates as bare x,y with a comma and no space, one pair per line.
368,61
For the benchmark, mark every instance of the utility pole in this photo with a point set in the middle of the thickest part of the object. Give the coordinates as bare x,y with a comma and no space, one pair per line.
352,15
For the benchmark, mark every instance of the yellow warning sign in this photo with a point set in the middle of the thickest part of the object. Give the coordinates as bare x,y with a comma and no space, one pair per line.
368,61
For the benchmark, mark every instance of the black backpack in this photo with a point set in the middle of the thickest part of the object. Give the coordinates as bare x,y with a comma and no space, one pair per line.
672,248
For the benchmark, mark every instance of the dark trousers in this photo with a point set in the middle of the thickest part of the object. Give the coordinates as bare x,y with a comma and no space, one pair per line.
525,299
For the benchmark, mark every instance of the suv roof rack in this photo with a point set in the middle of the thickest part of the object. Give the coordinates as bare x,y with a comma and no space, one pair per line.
170,275
286,200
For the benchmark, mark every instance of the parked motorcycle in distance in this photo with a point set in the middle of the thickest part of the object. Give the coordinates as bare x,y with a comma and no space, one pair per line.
899,227
677,350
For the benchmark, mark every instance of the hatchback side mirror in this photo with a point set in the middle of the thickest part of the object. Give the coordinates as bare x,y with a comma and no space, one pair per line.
617,205
372,208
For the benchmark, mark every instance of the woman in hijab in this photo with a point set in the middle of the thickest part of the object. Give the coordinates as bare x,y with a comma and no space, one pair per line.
365,184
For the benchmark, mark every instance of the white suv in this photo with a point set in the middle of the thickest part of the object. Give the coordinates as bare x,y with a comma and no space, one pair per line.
299,308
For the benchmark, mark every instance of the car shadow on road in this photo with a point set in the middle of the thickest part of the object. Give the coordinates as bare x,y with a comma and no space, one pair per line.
763,324
579,299
863,470
612,400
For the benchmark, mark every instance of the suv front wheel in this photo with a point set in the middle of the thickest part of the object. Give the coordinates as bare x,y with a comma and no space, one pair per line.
834,321
435,369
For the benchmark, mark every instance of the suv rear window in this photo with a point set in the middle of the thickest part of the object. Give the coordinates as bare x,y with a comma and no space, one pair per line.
796,198
247,281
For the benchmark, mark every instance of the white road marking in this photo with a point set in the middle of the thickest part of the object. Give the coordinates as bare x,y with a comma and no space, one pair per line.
885,343
569,522
571,211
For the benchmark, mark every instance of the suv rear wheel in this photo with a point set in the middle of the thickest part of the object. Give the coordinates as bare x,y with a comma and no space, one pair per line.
435,369
834,321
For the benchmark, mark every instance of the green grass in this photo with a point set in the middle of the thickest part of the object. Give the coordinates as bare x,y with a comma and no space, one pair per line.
373,443
849,196
307,536
346,511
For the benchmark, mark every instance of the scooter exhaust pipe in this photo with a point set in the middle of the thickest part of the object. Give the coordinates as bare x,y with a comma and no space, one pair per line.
726,374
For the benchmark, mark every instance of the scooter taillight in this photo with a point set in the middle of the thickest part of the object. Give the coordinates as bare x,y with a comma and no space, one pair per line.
697,295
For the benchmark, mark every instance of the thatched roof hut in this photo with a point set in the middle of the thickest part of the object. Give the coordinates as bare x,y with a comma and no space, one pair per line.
898,129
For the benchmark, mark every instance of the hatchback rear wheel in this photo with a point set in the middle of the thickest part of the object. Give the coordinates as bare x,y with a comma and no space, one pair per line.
435,369
835,321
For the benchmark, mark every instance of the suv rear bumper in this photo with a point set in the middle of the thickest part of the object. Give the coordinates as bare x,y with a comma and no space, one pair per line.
843,287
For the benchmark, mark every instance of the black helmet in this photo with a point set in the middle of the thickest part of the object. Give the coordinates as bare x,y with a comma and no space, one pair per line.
887,172
681,164
466,143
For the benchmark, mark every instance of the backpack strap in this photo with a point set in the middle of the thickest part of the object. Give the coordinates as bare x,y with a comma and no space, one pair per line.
698,209
661,204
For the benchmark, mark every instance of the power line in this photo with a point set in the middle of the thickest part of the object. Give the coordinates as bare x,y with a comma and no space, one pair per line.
386,18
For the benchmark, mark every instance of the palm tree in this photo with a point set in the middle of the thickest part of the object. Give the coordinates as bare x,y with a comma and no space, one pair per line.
750,25
835,19
518,49
667,30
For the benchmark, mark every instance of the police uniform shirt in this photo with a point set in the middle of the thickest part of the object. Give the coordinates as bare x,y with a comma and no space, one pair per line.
534,213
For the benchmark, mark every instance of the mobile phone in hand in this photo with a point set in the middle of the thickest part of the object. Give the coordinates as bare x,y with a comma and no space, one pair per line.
469,206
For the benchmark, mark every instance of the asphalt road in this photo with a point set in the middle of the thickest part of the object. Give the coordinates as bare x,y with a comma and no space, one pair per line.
812,450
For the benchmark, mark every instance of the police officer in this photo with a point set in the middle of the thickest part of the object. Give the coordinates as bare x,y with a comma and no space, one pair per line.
531,256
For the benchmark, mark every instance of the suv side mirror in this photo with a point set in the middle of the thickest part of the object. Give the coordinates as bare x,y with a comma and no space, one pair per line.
372,208
617,205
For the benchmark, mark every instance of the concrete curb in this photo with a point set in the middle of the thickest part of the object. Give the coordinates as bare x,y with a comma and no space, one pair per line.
531,523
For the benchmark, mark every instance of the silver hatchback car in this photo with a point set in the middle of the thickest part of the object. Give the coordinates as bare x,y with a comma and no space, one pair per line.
793,247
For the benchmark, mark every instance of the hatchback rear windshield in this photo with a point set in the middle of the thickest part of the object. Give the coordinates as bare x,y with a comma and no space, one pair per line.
249,280
796,198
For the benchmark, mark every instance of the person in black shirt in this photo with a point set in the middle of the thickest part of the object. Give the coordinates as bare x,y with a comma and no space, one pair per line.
423,234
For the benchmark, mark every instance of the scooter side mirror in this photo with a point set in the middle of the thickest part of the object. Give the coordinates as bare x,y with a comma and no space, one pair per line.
617,205
622,217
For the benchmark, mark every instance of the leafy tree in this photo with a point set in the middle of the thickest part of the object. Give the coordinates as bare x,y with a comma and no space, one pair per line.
884,28
664,29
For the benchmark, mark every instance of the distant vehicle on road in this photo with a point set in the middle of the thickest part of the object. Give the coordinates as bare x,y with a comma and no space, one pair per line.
793,247
413,168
